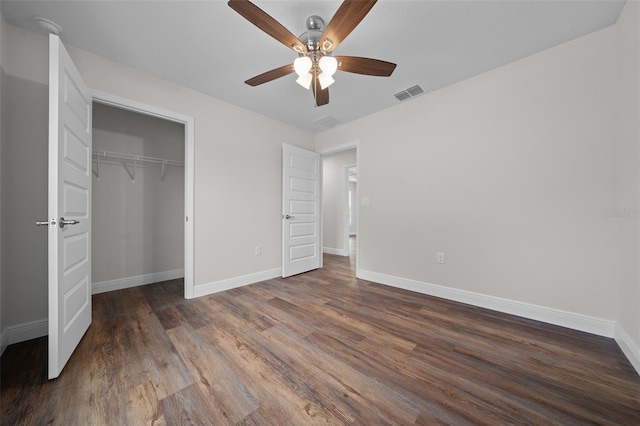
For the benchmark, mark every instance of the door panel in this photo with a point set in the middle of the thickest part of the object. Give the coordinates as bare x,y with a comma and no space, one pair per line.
69,198
301,236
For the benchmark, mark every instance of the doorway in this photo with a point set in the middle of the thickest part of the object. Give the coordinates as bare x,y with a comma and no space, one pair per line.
137,199
164,174
339,202
351,209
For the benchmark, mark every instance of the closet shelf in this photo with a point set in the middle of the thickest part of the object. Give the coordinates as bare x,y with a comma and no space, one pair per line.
109,155
130,159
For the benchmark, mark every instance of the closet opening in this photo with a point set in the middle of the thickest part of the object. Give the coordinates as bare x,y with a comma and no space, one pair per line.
138,199
340,209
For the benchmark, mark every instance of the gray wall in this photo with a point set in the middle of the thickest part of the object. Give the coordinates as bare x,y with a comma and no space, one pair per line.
508,173
511,174
628,173
25,200
238,172
138,227
3,102
333,198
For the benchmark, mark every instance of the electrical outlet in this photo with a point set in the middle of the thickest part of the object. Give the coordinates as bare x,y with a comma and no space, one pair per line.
257,250
440,257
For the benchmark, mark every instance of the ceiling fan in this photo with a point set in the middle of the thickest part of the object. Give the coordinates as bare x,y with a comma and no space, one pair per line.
315,64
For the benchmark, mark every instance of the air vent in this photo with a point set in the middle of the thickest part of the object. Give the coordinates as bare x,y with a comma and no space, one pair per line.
409,93
415,90
327,121
401,96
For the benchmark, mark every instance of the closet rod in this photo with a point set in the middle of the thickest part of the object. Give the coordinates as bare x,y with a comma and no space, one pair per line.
130,157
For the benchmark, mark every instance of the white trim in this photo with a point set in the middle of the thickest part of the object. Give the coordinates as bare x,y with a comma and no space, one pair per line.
135,281
189,171
34,329
339,252
338,148
25,331
228,284
320,209
559,317
359,210
345,205
4,340
628,346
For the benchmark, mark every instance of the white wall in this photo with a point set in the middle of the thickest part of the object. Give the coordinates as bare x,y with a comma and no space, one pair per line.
628,178
237,172
508,173
333,199
138,227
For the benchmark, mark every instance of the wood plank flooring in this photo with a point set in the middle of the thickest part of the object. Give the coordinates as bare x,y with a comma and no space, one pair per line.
317,348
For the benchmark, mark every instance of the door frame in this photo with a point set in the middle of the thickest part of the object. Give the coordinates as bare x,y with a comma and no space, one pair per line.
334,150
189,181
345,203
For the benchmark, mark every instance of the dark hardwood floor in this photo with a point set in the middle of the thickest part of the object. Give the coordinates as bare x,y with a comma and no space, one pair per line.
317,348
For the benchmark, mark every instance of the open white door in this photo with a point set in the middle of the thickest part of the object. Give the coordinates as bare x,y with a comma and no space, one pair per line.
69,207
301,211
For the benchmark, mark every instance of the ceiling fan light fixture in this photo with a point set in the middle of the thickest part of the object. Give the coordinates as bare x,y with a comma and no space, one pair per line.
325,80
328,65
302,65
305,80
315,63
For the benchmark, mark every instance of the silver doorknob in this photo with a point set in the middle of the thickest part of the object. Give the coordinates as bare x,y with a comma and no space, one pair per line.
289,217
64,222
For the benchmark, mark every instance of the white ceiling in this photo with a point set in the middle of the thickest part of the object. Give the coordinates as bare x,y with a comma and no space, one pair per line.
208,47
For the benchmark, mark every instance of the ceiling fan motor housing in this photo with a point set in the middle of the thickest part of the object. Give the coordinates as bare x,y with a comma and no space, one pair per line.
315,23
315,29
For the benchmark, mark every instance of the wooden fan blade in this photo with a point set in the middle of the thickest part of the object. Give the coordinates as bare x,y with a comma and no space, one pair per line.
348,16
266,23
268,76
366,66
321,96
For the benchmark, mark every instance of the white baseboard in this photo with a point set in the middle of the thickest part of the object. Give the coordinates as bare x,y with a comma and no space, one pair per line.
25,331
31,330
559,317
331,250
4,340
121,283
34,329
228,284
628,346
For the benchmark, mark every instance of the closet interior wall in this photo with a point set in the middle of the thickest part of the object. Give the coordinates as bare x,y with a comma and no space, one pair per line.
138,228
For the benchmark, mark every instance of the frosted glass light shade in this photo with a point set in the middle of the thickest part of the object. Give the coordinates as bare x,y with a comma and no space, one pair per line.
325,80
302,65
305,80
328,65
